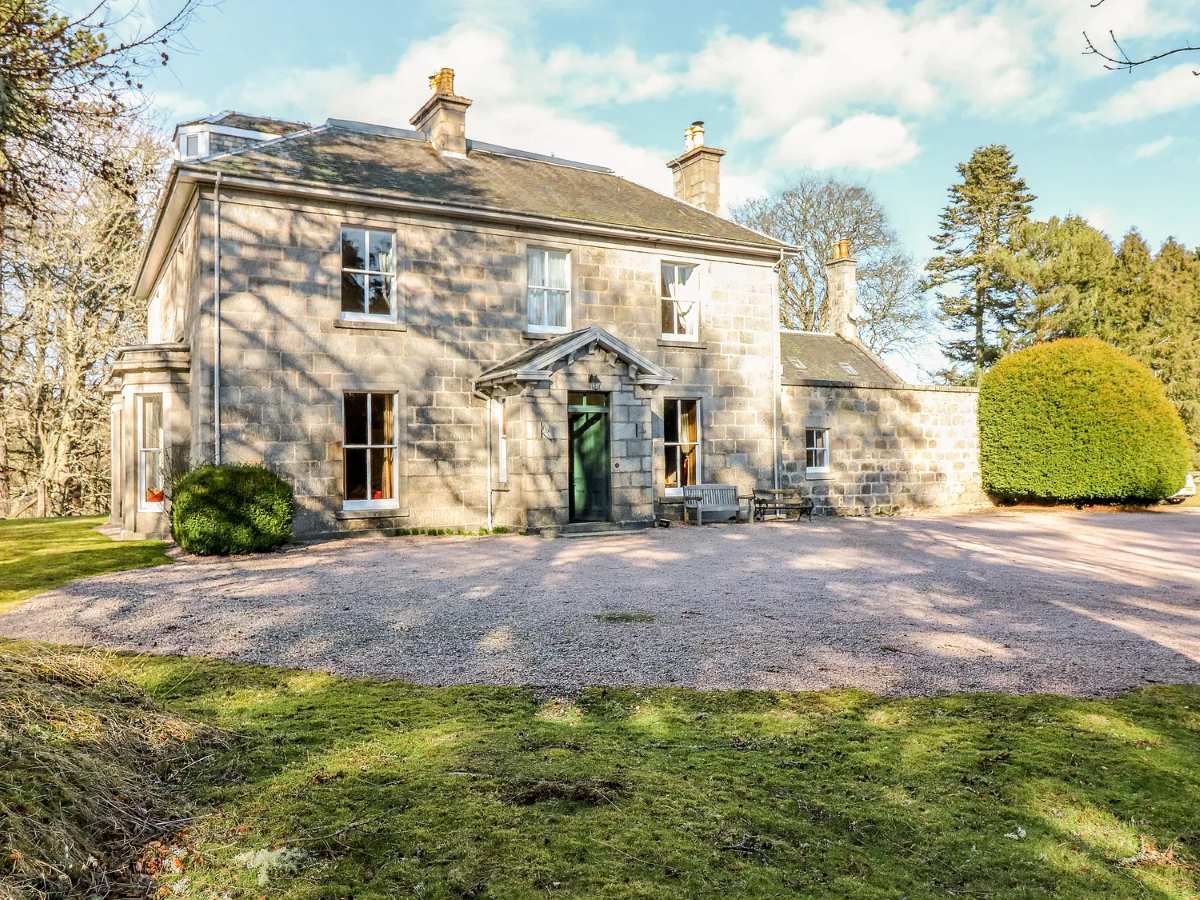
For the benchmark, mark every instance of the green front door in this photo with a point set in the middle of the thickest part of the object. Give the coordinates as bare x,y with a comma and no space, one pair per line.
587,418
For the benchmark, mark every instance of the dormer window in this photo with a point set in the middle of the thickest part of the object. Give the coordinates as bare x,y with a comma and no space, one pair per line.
193,143
368,275
548,290
848,369
680,284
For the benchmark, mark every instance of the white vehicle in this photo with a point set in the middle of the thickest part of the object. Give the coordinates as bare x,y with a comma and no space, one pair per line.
1188,490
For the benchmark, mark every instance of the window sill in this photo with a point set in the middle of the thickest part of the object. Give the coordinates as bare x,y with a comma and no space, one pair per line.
151,507
543,335
818,475
375,512
501,488
369,325
682,343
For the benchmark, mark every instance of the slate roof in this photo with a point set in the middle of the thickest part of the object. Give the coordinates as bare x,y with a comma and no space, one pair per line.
401,164
811,358
265,124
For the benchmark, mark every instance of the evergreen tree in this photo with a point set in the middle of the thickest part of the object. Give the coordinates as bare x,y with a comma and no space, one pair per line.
971,271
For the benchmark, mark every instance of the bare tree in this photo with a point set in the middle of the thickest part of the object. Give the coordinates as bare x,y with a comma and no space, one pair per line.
63,83
815,213
69,307
1118,59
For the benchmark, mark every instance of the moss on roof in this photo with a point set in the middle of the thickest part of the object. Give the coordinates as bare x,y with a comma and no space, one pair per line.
809,358
403,168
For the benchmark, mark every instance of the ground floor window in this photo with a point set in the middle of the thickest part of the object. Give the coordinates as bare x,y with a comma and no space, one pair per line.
369,450
816,450
151,490
681,443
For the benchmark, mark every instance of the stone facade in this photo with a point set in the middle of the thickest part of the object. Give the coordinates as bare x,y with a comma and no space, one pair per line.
287,359
891,449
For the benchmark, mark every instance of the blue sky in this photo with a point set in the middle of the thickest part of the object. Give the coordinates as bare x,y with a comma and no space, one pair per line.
892,94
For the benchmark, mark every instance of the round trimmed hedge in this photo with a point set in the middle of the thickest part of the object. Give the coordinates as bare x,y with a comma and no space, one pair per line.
218,510
1078,420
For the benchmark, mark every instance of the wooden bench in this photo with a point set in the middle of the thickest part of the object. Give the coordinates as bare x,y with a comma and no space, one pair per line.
717,500
783,504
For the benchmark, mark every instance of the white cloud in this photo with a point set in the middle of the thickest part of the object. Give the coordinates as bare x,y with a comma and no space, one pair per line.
1153,148
1102,218
586,79
865,141
1169,91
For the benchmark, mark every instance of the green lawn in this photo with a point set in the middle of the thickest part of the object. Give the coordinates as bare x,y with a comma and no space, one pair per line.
247,781
39,554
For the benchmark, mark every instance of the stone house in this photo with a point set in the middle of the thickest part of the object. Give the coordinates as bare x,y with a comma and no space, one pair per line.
419,329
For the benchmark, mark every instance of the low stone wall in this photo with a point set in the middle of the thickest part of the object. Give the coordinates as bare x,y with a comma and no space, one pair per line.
891,449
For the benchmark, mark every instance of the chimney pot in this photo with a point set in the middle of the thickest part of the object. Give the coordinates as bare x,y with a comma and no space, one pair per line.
841,297
697,170
443,117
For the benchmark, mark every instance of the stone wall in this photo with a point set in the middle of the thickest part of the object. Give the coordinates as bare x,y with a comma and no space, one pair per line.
892,449
287,359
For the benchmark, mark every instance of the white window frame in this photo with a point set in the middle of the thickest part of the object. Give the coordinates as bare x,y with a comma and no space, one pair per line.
143,504
530,325
699,443
812,448
393,503
502,441
693,336
364,316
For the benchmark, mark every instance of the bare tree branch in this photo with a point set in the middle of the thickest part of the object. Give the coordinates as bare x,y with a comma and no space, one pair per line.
1118,59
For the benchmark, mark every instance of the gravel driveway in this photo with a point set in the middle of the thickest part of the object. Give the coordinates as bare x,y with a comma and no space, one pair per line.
1078,603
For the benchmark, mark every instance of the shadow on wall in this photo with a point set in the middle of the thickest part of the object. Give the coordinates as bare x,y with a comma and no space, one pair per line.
891,449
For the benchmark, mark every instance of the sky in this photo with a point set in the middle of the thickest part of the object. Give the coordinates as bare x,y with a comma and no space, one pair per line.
886,93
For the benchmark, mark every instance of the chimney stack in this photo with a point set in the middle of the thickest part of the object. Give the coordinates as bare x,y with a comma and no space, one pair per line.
697,171
841,277
443,117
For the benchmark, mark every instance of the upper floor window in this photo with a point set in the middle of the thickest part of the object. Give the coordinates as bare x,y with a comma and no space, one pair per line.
549,289
368,274
680,301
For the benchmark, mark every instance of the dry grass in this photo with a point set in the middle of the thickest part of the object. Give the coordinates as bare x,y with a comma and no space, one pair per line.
88,774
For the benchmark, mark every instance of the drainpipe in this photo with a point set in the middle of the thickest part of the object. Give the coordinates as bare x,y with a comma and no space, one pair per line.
777,386
217,321
488,429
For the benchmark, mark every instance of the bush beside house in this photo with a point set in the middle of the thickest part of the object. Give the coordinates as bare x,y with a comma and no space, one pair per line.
1077,420
217,510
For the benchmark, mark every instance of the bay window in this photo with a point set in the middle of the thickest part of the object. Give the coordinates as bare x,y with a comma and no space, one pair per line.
151,487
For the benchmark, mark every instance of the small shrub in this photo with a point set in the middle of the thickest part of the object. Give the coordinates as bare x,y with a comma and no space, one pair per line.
217,510
1079,421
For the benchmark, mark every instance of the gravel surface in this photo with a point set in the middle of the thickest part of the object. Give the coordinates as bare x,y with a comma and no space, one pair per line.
1076,603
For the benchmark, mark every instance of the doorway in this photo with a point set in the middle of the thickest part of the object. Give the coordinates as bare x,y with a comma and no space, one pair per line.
587,423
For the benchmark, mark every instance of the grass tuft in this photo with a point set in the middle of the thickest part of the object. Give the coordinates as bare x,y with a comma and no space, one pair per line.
630,617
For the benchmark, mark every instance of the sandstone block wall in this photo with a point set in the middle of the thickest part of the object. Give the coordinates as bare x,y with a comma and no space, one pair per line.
287,359
891,449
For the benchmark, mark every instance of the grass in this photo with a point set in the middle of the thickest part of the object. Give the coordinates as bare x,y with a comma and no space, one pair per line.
39,554
220,779
313,786
630,617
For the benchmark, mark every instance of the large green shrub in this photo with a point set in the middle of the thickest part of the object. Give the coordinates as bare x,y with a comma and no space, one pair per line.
1078,420
231,509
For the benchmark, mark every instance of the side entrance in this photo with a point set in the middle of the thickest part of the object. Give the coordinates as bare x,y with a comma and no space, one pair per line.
588,429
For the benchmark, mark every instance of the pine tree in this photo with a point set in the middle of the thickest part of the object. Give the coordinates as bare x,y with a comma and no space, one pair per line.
983,213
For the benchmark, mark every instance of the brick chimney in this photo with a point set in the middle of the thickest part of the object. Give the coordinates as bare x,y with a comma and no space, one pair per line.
698,171
443,117
841,277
